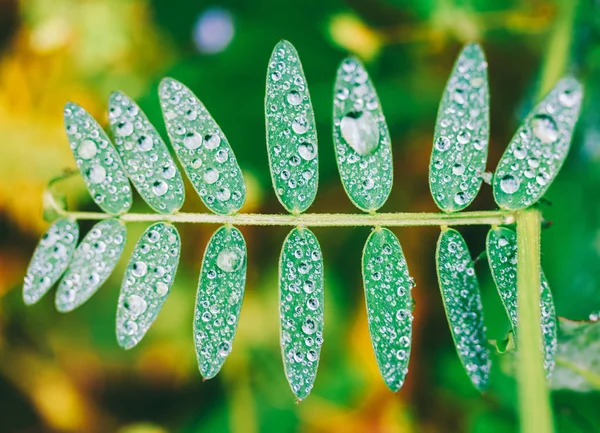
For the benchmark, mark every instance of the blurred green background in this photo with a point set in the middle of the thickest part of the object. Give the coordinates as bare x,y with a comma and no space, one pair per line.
65,373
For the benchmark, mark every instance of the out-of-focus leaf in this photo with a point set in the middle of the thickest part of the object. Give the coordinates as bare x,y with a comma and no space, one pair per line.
93,262
361,138
501,247
462,132
462,302
147,282
538,149
578,356
97,160
219,298
301,304
145,156
50,259
202,149
291,132
389,305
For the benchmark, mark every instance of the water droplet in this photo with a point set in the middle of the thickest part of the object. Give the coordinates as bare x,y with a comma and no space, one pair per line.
509,184
544,128
192,140
520,153
458,169
124,129
307,151
212,141
87,149
160,187
223,194
360,131
221,156
230,259
161,288
135,305
300,125
463,137
168,171
442,143
569,98
144,143
294,98
460,198
96,174
224,348
211,176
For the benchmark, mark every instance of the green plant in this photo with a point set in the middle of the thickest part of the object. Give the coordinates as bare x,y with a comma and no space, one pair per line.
364,156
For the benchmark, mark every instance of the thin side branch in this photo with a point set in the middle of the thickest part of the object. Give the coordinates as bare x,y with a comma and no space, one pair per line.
401,219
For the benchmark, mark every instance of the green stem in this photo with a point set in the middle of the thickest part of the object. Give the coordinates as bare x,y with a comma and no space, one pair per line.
534,399
399,219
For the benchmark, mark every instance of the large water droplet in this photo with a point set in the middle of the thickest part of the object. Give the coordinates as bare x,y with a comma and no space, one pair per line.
211,176
96,174
307,151
87,149
124,129
360,131
509,184
230,259
135,305
300,125
294,98
212,141
144,143
192,140
159,187
544,128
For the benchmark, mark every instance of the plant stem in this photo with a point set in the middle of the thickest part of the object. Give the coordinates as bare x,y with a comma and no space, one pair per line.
313,220
534,400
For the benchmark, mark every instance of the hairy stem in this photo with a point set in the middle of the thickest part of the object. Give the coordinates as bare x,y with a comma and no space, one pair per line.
314,220
534,399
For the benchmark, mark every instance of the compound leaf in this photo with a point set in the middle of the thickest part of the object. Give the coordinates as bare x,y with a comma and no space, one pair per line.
50,259
361,138
202,149
389,305
219,298
97,160
291,131
501,247
462,302
147,282
93,261
461,137
538,149
145,156
301,309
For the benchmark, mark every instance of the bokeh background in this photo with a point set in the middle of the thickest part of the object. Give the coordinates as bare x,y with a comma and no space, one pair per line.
65,373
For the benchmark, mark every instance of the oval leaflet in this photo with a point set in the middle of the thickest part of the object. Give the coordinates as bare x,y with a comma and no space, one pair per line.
93,262
361,138
538,149
145,156
501,248
147,282
219,298
389,305
461,133
50,259
202,149
97,161
462,303
291,131
301,309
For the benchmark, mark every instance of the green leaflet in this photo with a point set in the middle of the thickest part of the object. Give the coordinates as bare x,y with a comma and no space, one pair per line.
147,282
219,298
301,309
93,261
462,132
538,149
501,248
291,131
389,305
462,302
577,367
202,149
50,259
361,138
145,156
97,160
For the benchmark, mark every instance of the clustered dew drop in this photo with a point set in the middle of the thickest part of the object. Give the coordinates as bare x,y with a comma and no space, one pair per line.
301,309
219,299
361,138
202,149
